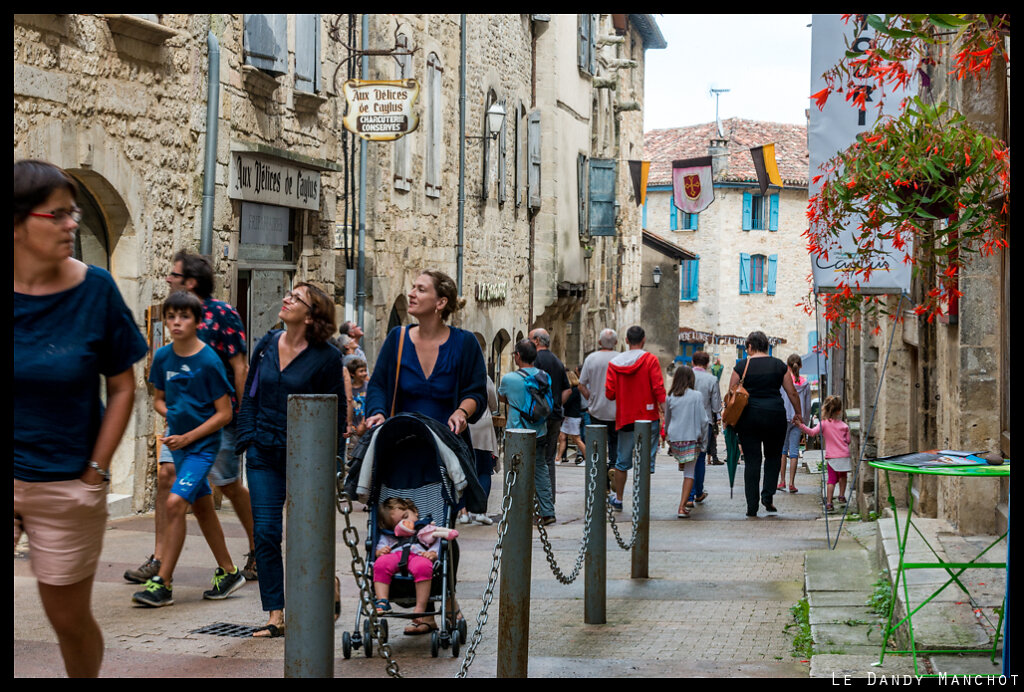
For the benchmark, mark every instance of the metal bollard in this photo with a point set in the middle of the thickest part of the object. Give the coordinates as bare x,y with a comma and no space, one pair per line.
642,514
595,573
517,562
309,509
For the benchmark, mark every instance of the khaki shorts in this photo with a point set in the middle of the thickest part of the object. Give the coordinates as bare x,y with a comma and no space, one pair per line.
64,521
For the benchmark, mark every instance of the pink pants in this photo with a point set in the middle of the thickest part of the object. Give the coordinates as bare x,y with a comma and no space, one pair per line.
834,476
385,566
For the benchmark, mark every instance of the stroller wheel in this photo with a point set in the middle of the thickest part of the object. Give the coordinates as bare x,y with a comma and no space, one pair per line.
455,643
435,643
367,639
346,645
462,630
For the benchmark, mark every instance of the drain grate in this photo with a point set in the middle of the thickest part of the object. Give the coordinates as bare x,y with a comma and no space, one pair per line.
226,629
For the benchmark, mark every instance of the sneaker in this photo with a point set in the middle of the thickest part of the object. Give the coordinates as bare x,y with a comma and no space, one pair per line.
483,519
615,503
546,521
146,571
464,519
157,593
792,489
224,584
249,571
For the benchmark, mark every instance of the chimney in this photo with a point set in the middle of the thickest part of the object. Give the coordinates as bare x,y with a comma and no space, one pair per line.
718,150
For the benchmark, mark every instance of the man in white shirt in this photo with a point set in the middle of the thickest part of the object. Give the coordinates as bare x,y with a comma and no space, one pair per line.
592,378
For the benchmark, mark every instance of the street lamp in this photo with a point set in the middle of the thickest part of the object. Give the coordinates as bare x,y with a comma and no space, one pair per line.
495,118
656,277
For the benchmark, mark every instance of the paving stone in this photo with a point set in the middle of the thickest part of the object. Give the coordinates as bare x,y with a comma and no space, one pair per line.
859,666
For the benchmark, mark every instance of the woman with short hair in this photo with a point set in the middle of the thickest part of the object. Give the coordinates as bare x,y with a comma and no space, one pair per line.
70,327
295,360
761,427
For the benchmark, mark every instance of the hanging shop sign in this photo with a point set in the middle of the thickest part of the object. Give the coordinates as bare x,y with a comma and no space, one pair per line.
265,180
381,110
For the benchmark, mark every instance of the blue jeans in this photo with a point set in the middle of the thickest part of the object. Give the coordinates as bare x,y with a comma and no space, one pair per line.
624,461
227,463
267,491
542,478
700,467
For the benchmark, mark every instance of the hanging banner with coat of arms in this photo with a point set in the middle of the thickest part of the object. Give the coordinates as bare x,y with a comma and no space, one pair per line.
692,188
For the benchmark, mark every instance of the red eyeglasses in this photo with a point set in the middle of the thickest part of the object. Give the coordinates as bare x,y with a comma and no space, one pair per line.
59,216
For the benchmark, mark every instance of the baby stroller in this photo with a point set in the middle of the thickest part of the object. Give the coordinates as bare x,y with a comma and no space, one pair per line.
414,457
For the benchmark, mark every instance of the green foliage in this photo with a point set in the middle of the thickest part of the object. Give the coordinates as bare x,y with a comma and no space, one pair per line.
803,643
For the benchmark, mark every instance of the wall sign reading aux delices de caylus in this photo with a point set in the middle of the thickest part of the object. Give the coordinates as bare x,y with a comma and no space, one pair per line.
381,110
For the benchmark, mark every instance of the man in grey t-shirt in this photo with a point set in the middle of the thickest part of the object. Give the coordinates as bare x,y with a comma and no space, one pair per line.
592,377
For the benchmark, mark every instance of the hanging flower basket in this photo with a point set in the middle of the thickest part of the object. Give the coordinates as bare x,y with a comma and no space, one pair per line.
896,181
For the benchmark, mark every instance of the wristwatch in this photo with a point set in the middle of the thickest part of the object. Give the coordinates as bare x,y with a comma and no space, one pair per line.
104,474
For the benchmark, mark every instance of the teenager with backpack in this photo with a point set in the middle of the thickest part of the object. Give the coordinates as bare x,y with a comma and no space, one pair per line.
527,391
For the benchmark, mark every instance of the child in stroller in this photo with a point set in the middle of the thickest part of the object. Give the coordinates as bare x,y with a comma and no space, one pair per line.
400,542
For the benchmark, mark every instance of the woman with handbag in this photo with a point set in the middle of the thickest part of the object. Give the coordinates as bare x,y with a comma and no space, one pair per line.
295,360
761,426
430,368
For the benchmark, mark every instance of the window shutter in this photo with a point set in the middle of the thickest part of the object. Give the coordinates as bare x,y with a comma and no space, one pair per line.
601,201
770,280
673,216
747,221
643,220
592,50
533,160
265,42
519,180
692,221
307,52
745,279
773,217
581,192
583,37
695,278
433,144
402,149
501,158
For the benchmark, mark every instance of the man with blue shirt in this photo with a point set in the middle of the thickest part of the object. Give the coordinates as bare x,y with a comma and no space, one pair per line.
512,390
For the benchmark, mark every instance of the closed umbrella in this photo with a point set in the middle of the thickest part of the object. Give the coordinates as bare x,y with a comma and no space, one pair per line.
732,454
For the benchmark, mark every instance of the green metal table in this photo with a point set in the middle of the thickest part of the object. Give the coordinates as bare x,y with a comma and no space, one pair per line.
953,569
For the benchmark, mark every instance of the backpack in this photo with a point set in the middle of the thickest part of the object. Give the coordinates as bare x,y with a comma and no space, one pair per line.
539,402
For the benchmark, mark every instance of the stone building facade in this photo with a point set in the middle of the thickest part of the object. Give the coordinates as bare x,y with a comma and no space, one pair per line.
751,267
945,383
122,102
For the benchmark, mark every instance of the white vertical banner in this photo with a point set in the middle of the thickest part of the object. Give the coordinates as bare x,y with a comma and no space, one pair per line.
833,129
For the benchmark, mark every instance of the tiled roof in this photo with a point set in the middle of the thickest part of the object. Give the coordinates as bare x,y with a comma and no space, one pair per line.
661,147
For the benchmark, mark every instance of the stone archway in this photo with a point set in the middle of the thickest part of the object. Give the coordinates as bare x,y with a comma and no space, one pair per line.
399,313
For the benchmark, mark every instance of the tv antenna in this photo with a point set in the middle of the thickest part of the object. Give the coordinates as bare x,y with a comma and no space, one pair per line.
716,93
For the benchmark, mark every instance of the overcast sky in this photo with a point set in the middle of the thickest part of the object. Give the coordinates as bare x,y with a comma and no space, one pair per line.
763,59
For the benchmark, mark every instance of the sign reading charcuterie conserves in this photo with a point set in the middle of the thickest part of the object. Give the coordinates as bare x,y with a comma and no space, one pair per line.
381,110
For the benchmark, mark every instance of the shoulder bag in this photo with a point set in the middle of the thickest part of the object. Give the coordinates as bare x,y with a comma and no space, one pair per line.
398,371
736,400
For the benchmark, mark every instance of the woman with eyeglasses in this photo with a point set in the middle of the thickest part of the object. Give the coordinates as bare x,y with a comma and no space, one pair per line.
70,327
295,360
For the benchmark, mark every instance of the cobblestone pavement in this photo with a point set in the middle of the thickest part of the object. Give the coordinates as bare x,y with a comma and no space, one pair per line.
716,603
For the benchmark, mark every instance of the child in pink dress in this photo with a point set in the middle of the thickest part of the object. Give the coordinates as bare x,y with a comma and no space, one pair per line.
836,437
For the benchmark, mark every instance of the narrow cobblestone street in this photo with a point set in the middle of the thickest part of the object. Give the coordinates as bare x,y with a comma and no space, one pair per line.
716,603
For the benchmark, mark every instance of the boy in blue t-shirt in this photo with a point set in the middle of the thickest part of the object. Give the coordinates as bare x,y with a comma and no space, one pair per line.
194,394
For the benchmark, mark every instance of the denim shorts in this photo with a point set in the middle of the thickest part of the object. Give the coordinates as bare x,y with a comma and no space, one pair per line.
226,464
191,469
624,462
791,443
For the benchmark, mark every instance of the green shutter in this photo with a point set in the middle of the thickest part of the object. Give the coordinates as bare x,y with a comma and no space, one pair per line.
601,200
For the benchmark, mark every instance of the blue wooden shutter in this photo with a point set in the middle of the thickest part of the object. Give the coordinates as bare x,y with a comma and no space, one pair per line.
592,65
812,341
601,201
770,280
643,221
265,42
747,221
307,52
773,216
583,37
691,221
745,278
673,215
581,192
694,279
533,160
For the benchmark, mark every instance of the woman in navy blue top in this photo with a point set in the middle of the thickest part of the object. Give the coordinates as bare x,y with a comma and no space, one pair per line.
70,326
441,375
296,360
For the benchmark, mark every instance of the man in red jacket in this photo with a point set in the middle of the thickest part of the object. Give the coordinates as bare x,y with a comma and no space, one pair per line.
635,384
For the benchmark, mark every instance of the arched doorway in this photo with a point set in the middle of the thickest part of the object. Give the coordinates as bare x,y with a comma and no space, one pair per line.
494,361
399,313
